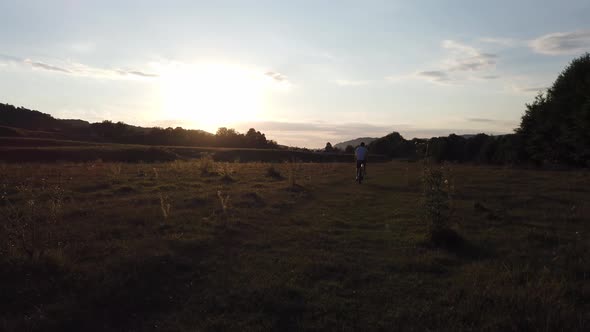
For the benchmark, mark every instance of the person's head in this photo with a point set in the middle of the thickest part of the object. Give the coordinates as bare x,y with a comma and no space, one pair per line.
362,143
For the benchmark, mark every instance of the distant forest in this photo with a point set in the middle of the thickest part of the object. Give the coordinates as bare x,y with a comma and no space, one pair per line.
36,124
555,129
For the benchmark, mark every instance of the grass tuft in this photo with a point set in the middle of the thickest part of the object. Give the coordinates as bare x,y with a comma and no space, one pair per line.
272,172
206,164
165,206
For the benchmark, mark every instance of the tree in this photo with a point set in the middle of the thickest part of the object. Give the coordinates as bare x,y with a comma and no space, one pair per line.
328,147
556,125
393,145
349,149
255,139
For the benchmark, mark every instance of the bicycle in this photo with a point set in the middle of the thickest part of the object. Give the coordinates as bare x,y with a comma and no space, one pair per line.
360,173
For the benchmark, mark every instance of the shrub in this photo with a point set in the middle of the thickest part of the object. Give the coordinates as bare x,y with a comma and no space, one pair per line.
165,206
29,226
206,164
437,203
225,170
272,172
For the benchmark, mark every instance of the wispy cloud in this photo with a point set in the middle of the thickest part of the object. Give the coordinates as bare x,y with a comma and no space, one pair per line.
276,76
556,43
485,120
434,75
78,69
9,58
505,42
491,123
529,89
467,58
139,73
41,65
490,77
352,82
461,62
562,43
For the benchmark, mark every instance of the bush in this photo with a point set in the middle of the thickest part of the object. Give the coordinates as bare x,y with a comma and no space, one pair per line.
273,173
29,227
437,202
206,164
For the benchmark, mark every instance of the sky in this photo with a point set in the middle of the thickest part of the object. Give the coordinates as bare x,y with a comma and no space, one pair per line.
303,72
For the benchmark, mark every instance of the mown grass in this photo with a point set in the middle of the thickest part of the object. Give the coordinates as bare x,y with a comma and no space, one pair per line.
205,245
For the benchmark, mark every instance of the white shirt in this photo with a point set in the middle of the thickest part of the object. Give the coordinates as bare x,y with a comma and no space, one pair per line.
361,153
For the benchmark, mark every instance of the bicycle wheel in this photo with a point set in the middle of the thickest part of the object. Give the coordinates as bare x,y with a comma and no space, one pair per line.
359,175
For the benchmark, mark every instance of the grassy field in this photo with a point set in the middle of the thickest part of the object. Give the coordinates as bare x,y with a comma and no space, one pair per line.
212,246
22,149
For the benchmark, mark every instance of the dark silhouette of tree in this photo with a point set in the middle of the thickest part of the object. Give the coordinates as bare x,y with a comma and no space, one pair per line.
256,139
392,145
556,125
328,147
349,149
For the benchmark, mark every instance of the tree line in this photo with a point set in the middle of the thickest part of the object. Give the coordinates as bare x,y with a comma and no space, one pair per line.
555,129
119,132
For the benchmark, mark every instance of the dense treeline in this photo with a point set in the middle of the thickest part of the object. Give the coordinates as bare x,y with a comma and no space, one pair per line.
554,129
556,126
119,132
480,148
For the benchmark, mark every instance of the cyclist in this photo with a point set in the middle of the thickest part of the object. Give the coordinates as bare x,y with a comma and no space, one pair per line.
361,153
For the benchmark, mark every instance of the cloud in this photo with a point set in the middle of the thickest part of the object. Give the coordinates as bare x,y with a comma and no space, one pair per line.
467,58
352,82
9,58
475,63
434,75
506,42
142,74
78,69
459,64
530,89
480,120
562,43
490,77
276,76
490,123
45,66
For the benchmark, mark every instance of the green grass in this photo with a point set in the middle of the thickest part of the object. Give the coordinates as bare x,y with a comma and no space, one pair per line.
323,253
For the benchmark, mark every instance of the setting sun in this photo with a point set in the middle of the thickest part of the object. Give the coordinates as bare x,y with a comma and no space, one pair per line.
211,95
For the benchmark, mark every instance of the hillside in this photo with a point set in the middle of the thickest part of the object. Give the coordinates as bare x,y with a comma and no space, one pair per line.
23,122
354,142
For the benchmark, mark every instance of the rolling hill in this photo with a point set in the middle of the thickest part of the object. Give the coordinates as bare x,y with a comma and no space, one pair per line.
355,142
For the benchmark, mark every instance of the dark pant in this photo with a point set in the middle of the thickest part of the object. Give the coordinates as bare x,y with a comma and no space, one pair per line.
361,162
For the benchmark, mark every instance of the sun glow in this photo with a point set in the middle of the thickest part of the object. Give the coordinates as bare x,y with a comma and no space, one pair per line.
208,96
